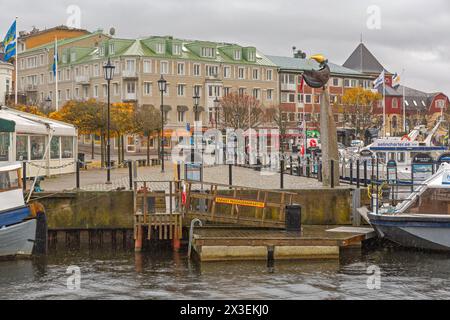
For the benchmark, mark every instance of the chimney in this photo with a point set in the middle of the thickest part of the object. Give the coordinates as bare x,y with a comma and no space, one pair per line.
299,54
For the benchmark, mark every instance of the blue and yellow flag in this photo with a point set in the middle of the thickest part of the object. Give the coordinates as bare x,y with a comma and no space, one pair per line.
9,43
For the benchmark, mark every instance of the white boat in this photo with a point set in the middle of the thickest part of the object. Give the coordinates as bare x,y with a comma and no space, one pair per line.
17,220
421,221
399,150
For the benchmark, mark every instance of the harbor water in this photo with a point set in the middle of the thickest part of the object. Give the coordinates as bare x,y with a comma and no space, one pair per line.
162,274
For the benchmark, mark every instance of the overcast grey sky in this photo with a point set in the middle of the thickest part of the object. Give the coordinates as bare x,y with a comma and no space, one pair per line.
413,35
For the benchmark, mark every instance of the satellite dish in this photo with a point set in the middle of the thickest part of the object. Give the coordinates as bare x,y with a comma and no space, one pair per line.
112,31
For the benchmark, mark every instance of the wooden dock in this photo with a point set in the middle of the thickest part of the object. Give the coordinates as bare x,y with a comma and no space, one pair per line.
156,216
314,242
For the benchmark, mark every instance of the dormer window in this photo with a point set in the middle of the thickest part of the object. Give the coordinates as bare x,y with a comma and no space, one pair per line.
73,56
160,48
111,48
176,49
64,58
102,51
208,52
251,56
237,55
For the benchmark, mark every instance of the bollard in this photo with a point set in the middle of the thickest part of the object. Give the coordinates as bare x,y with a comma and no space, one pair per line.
24,176
230,175
282,173
332,173
319,173
78,174
357,174
307,167
365,173
351,171
130,173
290,169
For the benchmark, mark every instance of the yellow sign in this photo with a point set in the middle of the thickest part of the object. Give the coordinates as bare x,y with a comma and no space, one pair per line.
239,202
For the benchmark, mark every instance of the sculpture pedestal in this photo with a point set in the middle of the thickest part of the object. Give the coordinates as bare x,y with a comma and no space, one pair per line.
328,139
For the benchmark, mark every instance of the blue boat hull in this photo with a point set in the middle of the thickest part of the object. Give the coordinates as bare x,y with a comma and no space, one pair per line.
428,233
14,216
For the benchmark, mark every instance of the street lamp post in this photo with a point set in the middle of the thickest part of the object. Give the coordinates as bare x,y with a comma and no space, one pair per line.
48,104
108,73
216,109
196,99
162,85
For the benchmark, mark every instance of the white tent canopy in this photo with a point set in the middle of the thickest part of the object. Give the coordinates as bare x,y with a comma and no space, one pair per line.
48,146
26,123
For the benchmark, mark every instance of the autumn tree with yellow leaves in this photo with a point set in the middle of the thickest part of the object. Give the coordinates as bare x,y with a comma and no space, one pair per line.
359,103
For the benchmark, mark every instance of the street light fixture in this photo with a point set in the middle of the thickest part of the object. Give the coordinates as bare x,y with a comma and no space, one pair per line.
108,69
162,85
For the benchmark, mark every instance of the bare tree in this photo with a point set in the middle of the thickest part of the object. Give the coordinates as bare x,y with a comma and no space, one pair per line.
240,111
275,116
148,121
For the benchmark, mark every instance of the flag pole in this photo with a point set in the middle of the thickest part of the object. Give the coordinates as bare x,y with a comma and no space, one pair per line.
17,66
55,57
384,104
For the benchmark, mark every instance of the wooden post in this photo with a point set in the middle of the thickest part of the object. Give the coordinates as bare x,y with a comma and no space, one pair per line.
139,237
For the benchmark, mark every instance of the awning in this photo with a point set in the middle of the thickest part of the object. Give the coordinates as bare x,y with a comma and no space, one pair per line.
167,108
27,123
7,125
200,109
182,108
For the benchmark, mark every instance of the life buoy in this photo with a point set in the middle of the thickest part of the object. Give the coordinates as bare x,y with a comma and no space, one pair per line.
406,137
313,143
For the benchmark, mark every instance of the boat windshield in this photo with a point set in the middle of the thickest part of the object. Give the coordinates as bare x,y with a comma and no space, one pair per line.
432,201
9,180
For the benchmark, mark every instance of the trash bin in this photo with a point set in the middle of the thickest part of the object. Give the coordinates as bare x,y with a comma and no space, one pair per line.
293,217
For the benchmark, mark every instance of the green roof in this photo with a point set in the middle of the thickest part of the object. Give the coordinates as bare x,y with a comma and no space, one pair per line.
298,64
190,50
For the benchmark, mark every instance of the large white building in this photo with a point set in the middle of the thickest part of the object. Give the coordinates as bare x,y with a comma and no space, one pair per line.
6,72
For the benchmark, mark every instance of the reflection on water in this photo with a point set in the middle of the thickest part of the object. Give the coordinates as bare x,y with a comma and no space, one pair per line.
163,274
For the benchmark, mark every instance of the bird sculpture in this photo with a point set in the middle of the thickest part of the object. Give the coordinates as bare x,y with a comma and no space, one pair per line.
318,78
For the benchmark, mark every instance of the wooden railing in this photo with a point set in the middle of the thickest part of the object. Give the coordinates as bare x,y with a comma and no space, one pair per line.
236,205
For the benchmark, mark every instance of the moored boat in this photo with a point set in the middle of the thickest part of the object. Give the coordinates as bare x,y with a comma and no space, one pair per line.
422,220
18,221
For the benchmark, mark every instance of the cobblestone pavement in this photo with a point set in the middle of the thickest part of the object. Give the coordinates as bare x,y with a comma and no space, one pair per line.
94,179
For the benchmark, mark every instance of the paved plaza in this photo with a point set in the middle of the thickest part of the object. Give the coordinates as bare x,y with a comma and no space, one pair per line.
94,179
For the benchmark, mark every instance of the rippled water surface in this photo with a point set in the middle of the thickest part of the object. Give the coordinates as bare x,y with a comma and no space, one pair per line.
162,274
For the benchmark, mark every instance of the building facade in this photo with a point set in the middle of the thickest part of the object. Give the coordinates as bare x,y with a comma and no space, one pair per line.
300,102
404,108
36,38
6,82
209,68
